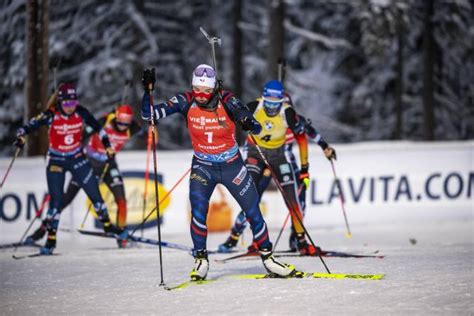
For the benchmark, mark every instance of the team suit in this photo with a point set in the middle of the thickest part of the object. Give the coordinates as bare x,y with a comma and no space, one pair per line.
272,142
65,153
216,160
241,223
313,135
97,156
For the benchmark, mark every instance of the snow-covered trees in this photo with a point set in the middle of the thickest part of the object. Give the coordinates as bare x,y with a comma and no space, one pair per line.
346,71
343,62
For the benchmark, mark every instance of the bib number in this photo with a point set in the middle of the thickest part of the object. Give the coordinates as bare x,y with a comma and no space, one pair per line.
266,138
209,137
69,139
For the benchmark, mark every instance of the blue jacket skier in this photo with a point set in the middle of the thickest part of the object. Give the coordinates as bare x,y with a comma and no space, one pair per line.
211,115
66,120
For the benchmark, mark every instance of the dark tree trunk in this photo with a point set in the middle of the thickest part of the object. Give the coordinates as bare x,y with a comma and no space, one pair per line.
276,37
37,67
399,88
428,85
237,69
237,61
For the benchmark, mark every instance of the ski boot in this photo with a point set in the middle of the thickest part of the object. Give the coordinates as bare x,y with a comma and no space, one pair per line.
49,246
122,241
230,243
275,268
120,233
253,247
37,235
51,223
201,266
304,248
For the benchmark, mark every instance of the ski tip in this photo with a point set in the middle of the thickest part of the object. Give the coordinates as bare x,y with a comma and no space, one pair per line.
349,235
186,284
176,287
348,276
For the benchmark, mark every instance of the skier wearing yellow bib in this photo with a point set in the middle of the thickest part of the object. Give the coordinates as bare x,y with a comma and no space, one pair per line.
276,116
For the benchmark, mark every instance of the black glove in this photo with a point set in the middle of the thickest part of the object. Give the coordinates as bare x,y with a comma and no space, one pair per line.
251,125
20,138
330,153
148,79
110,153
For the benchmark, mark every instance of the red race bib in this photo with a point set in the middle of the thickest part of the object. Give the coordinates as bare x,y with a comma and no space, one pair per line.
65,133
117,138
212,132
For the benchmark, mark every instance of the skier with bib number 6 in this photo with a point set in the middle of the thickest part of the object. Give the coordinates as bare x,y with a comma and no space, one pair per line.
66,120
120,127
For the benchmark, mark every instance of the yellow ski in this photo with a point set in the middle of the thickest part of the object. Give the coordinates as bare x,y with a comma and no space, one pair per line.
318,275
187,283
297,275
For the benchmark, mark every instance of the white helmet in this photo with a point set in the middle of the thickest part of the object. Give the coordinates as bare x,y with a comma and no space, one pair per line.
204,75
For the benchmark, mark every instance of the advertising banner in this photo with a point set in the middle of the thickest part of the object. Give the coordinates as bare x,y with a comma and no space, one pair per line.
380,182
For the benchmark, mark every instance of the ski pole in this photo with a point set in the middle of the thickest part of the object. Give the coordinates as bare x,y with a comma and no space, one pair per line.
147,175
125,92
341,198
101,179
162,200
285,222
300,221
37,215
153,133
55,73
212,40
281,69
55,81
17,152
281,230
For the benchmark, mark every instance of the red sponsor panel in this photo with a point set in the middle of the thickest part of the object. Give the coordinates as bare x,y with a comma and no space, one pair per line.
65,132
212,132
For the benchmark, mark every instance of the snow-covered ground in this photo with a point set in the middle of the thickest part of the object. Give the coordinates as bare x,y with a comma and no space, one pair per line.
432,273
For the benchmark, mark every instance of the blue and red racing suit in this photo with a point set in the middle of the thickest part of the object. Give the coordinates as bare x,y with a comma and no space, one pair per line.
97,156
216,160
65,153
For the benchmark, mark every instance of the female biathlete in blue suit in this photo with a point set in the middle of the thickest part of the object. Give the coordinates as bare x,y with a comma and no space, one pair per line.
211,115
66,121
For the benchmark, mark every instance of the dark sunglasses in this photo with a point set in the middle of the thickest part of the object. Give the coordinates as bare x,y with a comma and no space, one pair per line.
69,103
123,124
